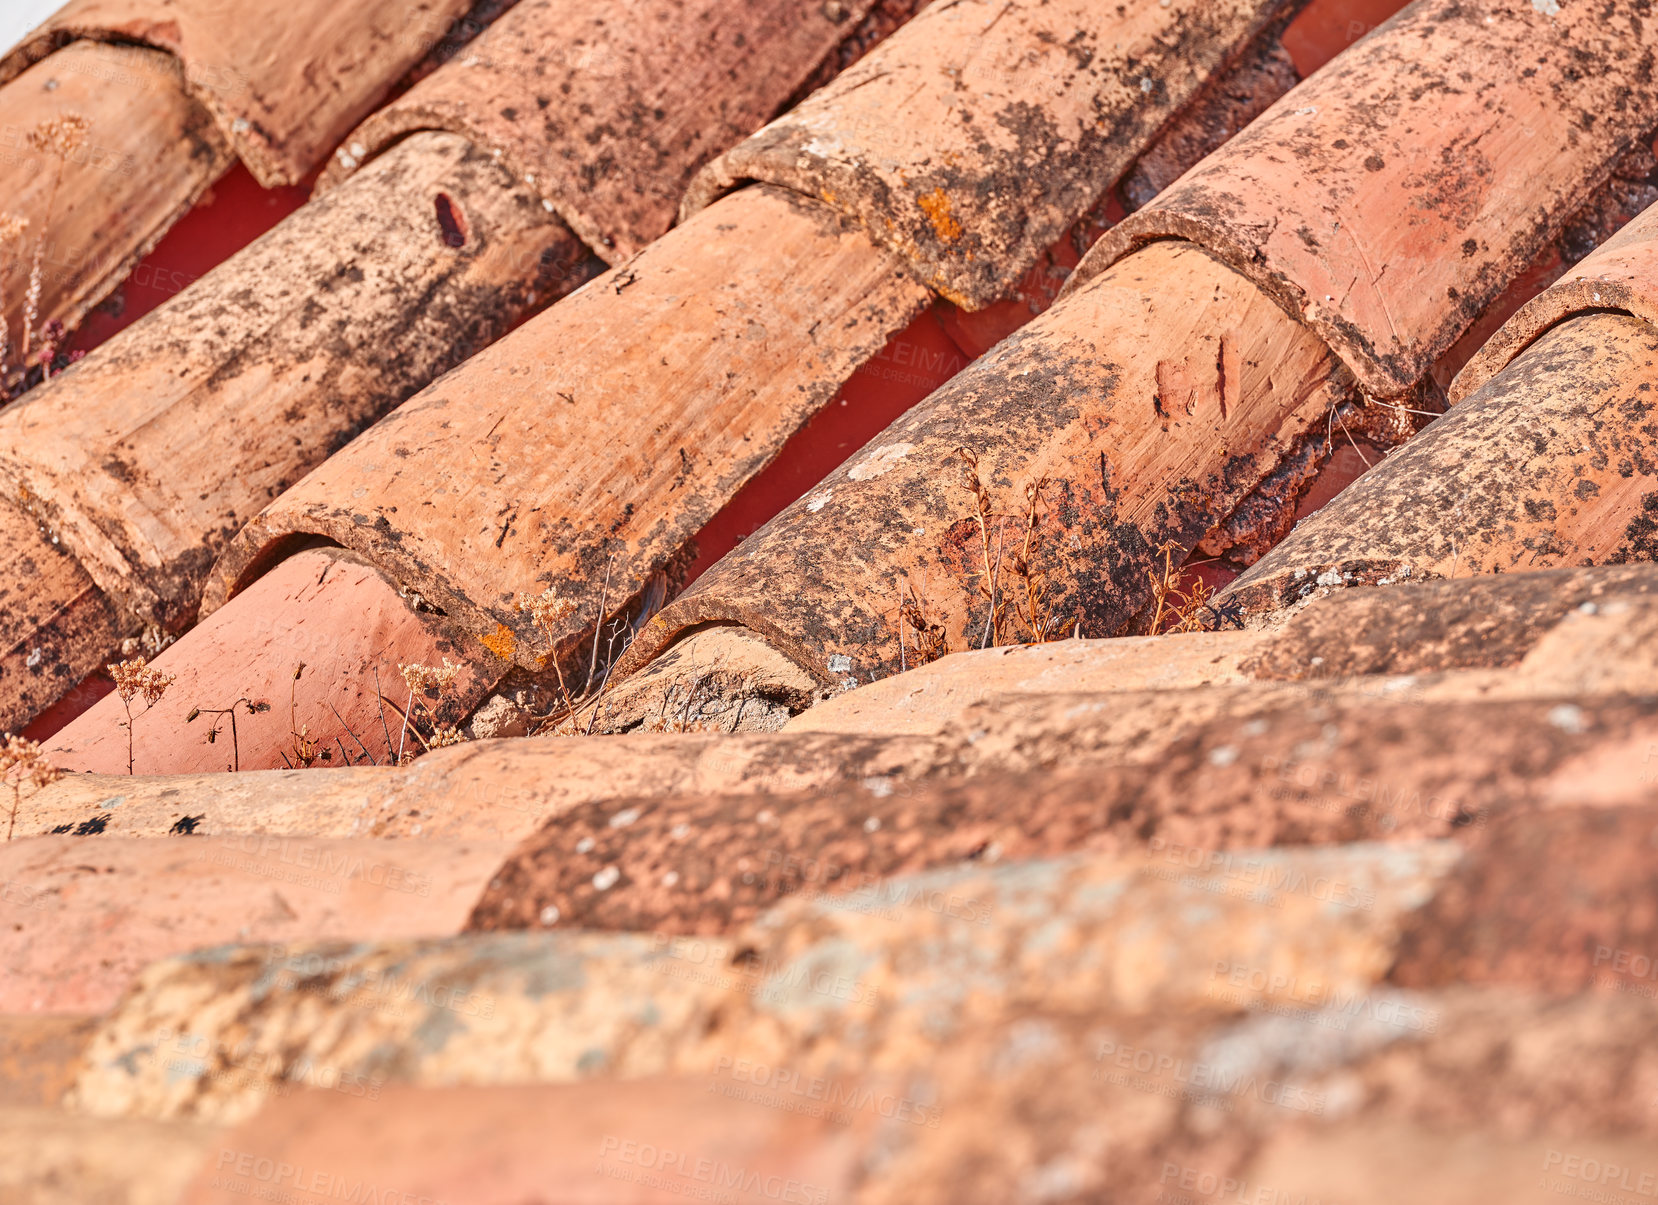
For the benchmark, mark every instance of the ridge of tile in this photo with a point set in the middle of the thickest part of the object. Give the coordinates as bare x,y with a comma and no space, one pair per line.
1621,274
971,140
607,119
1552,462
1307,201
282,100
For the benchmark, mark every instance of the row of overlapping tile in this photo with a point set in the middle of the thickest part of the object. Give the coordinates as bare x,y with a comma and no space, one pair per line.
1176,344
1352,902
1376,884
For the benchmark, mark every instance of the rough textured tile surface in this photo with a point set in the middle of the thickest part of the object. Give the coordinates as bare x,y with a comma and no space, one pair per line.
975,137
148,153
902,972
607,111
1149,405
283,99
594,442
1309,201
1553,462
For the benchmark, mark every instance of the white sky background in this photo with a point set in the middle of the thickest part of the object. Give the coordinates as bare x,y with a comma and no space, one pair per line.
18,17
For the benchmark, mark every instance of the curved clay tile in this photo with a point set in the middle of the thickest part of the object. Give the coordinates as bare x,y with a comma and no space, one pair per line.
284,79
1149,404
1391,197
1150,444
1552,462
970,141
149,899
146,456
123,153
552,505
1622,275
605,113
596,441
305,686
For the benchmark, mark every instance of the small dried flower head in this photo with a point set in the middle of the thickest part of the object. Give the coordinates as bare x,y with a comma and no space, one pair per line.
22,761
446,735
419,677
61,136
11,228
136,677
547,610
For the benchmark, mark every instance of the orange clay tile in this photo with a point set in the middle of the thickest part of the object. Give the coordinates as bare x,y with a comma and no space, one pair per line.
55,623
973,138
128,902
324,611
605,110
634,1142
1131,701
282,98
1622,274
1388,199
1152,401
143,459
595,441
1563,901
1552,462
94,209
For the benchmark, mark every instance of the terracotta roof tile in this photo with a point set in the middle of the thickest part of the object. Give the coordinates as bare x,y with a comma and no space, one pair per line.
1577,635
1551,463
1166,353
605,117
972,141
1306,202
643,436
434,248
289,703
1621,274
283,99
1195,435
551,513
145,155
558,1007
135,901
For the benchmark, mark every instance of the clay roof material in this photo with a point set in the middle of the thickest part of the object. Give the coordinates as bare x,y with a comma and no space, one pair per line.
1307,202
604,115
281,100
969,144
